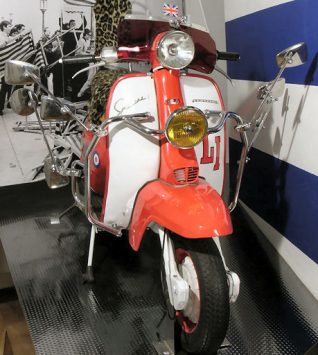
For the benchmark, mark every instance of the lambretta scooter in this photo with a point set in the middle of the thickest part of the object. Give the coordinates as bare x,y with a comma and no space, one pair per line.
158,159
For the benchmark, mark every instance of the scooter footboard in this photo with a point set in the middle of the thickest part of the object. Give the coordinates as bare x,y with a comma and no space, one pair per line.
193,211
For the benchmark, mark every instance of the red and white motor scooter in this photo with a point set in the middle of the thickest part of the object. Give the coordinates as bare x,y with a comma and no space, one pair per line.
158,159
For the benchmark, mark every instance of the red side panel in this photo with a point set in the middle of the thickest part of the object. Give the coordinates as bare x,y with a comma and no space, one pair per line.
98,162
190,211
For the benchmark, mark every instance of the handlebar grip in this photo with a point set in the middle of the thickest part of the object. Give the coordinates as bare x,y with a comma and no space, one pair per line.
80,59
231,56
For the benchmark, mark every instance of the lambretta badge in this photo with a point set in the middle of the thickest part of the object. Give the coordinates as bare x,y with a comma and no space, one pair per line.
206,101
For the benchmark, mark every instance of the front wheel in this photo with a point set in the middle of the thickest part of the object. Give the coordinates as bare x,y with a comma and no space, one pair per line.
204,321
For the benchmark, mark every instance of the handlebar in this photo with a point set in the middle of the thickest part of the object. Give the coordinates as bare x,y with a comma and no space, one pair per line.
231,56
79,59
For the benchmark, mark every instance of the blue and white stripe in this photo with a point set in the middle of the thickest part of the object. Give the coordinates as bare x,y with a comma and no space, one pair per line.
281,181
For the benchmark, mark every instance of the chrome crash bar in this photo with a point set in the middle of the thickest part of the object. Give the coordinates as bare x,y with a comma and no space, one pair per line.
85,203
243,159
131,120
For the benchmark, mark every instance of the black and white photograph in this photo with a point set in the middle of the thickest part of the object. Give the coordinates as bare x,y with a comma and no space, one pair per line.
41,33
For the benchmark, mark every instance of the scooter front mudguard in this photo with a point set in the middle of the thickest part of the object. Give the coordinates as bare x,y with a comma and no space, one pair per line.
193,211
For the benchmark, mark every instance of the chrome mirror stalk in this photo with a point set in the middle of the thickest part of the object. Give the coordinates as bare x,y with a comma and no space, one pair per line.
63,107
53,177
290,57
52,165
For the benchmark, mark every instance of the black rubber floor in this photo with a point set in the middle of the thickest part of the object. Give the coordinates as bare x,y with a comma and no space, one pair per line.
275,313
122,313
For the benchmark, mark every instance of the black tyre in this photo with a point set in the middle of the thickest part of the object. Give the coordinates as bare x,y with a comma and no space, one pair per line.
203,323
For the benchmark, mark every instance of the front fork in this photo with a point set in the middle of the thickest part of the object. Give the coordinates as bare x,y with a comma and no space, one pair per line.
233,279
178,288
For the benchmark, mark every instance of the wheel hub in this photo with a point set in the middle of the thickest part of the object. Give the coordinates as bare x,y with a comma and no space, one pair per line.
188,273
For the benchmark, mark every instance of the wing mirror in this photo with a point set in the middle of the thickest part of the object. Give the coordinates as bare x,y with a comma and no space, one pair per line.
20,73
20,102
52,111
292,56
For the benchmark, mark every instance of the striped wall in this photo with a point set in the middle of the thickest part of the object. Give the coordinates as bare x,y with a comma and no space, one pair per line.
281,181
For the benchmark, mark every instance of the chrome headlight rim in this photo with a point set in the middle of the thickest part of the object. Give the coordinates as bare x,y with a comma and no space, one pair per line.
159,46
177,112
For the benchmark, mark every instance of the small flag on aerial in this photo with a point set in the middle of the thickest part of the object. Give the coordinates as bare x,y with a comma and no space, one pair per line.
170,10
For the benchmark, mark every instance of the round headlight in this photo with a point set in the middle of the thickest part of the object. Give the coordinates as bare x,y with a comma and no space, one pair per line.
175,50
186,127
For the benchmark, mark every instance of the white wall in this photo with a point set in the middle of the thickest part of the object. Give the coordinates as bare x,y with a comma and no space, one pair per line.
284,202
215,18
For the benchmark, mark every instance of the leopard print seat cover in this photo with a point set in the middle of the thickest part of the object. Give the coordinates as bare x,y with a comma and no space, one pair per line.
108,14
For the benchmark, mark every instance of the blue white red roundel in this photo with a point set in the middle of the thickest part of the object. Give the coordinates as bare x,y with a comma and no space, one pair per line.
96,159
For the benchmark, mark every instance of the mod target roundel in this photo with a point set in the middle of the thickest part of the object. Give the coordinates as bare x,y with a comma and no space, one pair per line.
96,160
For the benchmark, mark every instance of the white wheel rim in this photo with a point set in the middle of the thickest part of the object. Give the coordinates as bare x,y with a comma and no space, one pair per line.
189,274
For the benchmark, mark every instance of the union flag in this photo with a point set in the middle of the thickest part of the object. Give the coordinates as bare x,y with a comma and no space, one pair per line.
170,10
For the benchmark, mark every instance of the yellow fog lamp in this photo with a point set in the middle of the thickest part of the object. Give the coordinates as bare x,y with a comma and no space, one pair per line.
186,127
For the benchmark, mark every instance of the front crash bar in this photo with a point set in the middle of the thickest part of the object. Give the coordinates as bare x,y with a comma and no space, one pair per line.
243,159
86,205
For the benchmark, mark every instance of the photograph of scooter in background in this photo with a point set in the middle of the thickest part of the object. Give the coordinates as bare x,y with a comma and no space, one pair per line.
40,33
